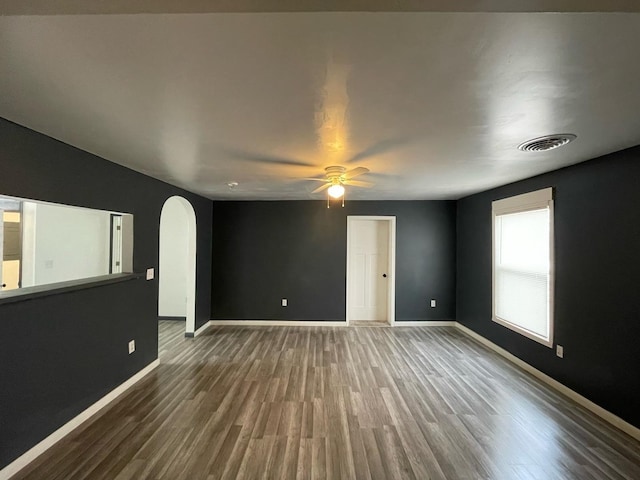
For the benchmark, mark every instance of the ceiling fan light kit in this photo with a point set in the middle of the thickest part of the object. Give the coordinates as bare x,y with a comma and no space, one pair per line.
336,179
336,191
337,198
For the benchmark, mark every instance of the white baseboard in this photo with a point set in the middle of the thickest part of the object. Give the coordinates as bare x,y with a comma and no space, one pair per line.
37,450
426,323
202,329
276,323
297,323
606,415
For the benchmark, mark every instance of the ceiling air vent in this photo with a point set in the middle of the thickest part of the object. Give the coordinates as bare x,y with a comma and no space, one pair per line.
548,142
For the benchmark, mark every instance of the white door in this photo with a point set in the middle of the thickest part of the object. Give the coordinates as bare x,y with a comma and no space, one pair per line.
11,250
2,284
369,270
116,243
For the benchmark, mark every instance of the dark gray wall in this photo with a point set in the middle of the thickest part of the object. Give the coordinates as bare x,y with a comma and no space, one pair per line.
265,251
597,292
60,354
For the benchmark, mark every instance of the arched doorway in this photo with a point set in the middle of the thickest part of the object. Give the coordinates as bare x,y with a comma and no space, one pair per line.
177,265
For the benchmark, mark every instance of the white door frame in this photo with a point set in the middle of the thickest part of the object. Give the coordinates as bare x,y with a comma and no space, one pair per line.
191,262
391,275
1,244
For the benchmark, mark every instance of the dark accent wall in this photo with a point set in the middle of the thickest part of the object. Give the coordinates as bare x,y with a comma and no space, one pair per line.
61,353
266,251
597,290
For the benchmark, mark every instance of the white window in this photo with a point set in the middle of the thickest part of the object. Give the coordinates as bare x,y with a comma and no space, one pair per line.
523,264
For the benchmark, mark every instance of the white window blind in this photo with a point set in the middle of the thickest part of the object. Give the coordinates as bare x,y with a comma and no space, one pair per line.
522,264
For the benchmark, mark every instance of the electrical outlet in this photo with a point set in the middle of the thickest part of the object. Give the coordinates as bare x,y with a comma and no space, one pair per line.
560,351
284,302
132,346
433,303
150,273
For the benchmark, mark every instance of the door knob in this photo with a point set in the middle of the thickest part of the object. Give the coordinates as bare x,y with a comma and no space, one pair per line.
384,275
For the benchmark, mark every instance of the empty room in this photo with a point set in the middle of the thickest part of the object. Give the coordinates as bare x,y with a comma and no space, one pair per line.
322,239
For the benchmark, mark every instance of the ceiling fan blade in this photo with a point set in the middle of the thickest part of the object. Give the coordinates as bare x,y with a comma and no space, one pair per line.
247,156
321,188
358,183
355,172
380,148
324,179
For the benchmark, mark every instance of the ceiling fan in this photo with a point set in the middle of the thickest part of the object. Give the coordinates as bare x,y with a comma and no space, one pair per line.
336,177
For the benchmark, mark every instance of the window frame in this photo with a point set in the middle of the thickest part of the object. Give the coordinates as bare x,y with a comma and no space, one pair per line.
536,200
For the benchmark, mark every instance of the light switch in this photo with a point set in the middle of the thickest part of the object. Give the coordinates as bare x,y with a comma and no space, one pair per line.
150,273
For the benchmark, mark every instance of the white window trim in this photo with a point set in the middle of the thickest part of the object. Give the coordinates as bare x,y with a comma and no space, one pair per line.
522,203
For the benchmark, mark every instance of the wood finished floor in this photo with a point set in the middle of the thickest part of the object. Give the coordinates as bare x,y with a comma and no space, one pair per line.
340,403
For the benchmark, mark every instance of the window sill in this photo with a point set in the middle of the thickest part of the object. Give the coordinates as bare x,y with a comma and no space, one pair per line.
31,293
547,342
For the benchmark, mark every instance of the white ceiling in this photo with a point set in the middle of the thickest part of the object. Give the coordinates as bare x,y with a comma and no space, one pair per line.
434,104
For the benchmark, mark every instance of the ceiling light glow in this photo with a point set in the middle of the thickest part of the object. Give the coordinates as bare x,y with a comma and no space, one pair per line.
336,191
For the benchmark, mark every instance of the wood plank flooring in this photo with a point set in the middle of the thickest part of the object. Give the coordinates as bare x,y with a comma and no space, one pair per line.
338,403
